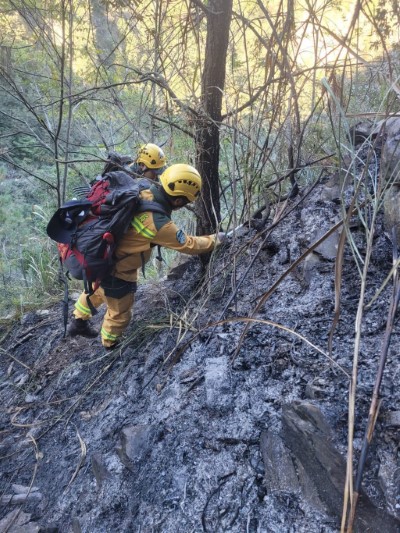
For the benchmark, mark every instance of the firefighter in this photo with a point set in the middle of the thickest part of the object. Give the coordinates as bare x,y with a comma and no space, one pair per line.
150,162
179,185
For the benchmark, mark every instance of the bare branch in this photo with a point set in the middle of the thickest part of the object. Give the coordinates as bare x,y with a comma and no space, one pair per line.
173,125
19,167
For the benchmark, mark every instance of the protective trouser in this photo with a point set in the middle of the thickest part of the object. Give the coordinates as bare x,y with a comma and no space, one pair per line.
119,296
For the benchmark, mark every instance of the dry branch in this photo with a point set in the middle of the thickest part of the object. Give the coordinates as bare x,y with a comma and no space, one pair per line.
375,402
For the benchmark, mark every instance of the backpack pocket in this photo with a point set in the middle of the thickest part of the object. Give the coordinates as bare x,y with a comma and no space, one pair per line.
94,268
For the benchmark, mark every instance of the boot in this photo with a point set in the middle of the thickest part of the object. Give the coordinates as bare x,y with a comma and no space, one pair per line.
111,347
81,327
107,345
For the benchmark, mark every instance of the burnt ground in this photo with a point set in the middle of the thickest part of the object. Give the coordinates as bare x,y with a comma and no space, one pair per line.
165,433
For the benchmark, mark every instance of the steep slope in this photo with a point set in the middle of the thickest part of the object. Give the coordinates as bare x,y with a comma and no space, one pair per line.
185,427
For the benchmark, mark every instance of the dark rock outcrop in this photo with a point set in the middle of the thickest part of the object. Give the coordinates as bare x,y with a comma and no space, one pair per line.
308,435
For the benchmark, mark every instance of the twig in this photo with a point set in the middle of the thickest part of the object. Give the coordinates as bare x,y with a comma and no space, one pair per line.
297,169
17,360
349,488
338,269
81,461
222,481
178,350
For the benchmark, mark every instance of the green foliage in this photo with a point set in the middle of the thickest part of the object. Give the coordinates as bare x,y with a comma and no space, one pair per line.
26,147
27,272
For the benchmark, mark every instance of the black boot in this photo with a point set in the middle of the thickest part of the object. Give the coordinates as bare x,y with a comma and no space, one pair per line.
81,327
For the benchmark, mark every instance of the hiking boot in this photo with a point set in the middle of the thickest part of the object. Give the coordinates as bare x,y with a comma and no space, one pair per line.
110,347
81,327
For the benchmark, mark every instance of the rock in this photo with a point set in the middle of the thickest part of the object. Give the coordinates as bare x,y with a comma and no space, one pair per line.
283,255
309,437
99,469
23,489
390,160
391,204
218,384
335,186
135,444
30,398
76,525
179,267
315,388
43,312
18,522
328,248
308,489
280,474
310,264
360,132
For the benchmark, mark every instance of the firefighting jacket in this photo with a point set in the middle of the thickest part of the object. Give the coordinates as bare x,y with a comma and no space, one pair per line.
148,229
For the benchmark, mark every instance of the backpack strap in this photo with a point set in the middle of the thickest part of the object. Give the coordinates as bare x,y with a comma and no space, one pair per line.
90,288
155,207
150,205
63,279
159,256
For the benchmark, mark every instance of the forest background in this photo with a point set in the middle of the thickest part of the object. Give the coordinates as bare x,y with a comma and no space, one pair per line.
259,96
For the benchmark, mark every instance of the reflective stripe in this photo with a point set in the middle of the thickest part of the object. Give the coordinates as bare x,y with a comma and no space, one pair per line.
108,336
82,309
140,228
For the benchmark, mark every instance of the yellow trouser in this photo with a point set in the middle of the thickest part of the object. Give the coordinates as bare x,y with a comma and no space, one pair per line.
117,317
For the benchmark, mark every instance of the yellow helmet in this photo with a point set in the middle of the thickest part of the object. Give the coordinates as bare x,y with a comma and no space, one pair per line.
151,155
181,180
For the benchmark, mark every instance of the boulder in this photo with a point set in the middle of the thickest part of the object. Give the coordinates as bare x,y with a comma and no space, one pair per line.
308,435
360,132
391,208
99,469
390,159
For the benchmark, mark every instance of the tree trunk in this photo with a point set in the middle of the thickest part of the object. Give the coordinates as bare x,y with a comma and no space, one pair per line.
5,59
219,14
106,32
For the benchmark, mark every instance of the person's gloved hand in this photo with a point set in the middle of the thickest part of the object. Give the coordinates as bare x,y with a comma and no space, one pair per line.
221,236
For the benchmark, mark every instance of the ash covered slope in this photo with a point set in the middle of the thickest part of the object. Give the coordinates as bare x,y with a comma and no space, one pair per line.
150,438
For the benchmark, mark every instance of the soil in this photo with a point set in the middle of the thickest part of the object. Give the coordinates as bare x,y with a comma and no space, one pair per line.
163,433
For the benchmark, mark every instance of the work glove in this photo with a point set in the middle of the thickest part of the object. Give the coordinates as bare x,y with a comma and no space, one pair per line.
221,237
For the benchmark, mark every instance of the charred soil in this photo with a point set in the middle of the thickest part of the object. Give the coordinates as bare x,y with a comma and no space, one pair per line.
187,426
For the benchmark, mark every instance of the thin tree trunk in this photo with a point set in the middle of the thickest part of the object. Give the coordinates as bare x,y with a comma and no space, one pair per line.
219,14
